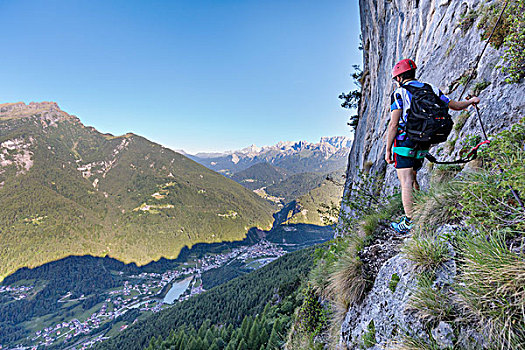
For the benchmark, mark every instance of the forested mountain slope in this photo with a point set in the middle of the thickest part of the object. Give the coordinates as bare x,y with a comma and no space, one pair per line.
226,304
66,189
260,175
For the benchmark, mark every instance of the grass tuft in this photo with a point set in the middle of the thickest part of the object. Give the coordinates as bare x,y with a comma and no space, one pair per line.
492,288
348,284
436,206
427,253
444,173
461,120
431,303
411,342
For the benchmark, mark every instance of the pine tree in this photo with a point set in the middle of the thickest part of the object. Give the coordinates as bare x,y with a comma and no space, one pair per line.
249,325
193,344
204,328
220,343
242,345
234,341
275,340
226,333
230,329
263,336
151,345
209,337
253,337
244,326
155,343
183,340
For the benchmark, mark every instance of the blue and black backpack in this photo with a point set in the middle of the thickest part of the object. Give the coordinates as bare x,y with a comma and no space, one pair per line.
428,120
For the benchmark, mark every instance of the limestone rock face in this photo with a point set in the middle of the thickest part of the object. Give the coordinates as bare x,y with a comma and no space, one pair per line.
386,308
387,305
428,32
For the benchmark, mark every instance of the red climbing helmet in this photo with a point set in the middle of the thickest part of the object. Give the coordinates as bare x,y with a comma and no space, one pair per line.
403,66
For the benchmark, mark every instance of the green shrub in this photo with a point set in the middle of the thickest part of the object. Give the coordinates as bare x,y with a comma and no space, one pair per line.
467,20
394,280
480,86
463,80
514,56
369,338
461,120
485,202
507,151
311,316
485,198
488,17
468,142
491,287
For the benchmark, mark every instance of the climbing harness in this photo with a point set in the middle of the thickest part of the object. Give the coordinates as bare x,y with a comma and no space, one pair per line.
410,152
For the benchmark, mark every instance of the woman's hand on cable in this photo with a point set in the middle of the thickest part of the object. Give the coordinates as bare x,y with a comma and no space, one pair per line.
474,100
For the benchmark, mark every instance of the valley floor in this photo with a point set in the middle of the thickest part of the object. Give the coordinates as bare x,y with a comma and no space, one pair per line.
140,294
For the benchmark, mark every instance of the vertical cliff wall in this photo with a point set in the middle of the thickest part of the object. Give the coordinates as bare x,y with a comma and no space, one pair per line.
446,53
427,31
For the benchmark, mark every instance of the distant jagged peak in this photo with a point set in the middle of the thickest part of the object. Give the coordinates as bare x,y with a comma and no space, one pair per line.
20,110
284,144
252,149
337,141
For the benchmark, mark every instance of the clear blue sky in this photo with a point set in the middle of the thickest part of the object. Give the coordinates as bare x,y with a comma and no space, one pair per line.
193,75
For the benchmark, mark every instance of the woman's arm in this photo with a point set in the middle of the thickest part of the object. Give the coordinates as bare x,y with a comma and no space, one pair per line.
460,105
392,132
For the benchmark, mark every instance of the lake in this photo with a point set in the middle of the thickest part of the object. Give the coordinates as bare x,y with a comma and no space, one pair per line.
176,290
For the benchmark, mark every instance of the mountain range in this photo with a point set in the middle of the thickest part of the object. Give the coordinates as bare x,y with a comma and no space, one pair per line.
67,189
328,155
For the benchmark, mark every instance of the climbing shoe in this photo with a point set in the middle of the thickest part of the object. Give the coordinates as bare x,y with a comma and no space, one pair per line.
403,226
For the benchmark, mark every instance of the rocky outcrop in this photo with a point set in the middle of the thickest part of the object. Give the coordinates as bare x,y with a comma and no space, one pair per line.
45,110
429,33
387,305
